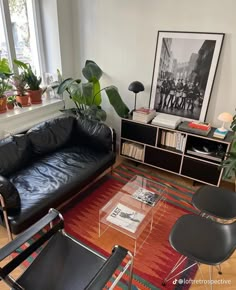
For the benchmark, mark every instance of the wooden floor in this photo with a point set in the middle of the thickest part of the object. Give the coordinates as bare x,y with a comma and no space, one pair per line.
228,267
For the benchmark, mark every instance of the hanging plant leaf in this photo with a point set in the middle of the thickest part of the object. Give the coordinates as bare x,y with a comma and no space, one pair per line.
64,85
88,93
91,71
115,100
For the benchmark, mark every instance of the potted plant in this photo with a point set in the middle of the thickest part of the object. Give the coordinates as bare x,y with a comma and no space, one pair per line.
19,83
229,164
12,102
88,96
33,82
5,73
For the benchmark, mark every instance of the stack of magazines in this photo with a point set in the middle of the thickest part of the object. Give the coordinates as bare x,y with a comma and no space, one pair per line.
146,196
144,115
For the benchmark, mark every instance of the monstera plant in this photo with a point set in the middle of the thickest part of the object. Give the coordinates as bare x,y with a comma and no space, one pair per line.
229,164
88,96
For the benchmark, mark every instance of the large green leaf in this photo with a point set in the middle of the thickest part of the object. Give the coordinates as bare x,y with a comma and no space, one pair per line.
115,100
96,113
88,93
229,165
4,67
91,71
64,85
21,64
233,124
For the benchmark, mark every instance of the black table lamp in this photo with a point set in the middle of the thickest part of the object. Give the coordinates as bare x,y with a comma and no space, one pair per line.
136,87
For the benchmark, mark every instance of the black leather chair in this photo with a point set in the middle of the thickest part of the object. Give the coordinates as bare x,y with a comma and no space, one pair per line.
202,240
64,263
215,202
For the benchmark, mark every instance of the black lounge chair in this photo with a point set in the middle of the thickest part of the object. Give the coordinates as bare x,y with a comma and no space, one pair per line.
64,263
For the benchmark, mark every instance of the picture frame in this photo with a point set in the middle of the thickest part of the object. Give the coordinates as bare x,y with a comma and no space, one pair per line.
184,70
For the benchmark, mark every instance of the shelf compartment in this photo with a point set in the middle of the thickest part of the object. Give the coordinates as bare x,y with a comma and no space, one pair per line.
200,170
163,159
205,149
138,132
171,140
132,150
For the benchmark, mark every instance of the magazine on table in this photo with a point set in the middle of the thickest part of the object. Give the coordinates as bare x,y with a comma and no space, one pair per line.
146,196
125,217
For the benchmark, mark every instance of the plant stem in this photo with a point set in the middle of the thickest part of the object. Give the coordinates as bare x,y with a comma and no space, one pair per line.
99,93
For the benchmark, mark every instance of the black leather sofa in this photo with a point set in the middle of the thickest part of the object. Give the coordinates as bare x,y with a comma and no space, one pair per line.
48,165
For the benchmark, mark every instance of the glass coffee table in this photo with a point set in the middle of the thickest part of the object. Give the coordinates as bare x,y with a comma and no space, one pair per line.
131,210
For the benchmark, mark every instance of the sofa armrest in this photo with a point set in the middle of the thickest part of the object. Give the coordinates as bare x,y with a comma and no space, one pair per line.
94,134
9,195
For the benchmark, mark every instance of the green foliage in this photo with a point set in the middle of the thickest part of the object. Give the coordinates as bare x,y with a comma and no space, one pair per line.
32,81
19,83
12,100
87,96
229,164
5,73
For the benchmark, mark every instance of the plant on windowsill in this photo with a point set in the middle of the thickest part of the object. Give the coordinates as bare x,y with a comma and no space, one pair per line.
12,102
87,97
229,164
5,73
19,83
33,82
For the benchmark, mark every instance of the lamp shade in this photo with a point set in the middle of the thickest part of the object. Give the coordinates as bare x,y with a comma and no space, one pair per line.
136,87
225,117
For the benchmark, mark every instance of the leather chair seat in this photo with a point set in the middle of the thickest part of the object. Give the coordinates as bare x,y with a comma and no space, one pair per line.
43,183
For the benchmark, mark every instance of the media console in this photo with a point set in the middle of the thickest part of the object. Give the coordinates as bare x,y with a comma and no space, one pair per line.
186,154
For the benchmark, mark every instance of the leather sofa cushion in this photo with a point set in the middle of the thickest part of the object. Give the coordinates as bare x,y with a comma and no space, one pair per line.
51,135
44,183
93,134
10,195
15,152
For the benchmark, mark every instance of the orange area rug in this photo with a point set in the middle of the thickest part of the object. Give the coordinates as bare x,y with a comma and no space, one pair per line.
155,258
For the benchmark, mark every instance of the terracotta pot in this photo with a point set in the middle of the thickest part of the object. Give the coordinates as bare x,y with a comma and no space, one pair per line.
35,96
3,104
24,100
10,106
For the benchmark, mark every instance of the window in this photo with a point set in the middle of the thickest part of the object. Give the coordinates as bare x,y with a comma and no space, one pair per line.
19,33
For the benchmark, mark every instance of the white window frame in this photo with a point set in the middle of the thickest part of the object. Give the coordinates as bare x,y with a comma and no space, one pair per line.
18,120
34,6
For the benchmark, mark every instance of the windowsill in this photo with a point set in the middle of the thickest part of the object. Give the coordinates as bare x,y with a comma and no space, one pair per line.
11,114
22,119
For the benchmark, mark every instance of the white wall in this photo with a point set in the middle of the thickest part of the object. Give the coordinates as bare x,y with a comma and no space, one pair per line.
120,35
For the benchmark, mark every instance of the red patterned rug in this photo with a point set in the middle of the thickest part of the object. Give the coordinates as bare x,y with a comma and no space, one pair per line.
156,257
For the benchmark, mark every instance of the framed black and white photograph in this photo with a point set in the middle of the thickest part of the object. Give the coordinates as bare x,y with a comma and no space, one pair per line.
185,65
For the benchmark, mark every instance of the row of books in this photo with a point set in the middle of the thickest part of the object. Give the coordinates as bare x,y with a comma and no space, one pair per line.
133,150
144,115
173,139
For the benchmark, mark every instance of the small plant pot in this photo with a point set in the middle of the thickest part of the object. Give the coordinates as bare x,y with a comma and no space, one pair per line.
10,106
24,100
35,96
3,105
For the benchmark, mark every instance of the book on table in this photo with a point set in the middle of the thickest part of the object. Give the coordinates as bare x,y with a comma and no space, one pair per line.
146,196
185,127
199,125
220,134
125,217
144,115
